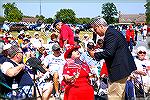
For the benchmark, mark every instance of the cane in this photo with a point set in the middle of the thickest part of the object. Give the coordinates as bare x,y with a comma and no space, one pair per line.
143,87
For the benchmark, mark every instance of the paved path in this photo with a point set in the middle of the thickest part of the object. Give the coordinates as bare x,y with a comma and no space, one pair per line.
140,41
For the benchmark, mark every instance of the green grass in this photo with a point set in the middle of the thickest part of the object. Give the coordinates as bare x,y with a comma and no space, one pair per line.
43,35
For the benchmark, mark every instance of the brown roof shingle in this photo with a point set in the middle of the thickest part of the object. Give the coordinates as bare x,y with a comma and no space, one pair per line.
29,20
128,18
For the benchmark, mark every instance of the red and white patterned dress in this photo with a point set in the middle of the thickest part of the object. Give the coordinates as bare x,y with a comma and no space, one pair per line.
79,89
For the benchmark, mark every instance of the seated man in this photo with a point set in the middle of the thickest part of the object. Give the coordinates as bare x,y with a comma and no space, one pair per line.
55,63
97,68
94,65
12,70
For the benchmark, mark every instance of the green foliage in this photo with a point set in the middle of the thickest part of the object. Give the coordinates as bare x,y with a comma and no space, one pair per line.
109,12
46,20
83,20
12,13
66,15
49,20
2,19
147,7
41,17
27,16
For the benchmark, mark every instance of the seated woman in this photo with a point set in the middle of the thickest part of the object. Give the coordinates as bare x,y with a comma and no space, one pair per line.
140,76
76,73
142,64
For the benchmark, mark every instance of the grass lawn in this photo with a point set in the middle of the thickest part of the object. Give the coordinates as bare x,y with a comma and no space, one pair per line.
45,37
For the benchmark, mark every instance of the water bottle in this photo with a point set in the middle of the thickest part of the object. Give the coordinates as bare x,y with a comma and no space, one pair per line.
14,87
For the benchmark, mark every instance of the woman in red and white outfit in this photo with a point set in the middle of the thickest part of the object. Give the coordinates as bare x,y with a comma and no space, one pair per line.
76,76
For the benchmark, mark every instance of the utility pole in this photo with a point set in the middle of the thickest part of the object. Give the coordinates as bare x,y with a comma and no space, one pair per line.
40,7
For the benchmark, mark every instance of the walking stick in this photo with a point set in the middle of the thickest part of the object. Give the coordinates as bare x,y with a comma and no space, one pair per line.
143,87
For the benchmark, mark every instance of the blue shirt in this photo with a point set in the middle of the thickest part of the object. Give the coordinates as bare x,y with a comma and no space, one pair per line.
91,62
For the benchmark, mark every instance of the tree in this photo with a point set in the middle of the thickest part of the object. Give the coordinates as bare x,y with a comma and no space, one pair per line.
49,20
83,20
109,11
25,16
66,15
147,7
2,19
41,17
12,13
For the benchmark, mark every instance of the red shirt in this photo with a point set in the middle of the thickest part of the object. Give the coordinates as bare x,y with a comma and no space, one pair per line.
66,34
104,70
129,34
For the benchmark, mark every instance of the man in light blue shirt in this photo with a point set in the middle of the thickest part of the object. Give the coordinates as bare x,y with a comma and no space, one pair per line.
95,66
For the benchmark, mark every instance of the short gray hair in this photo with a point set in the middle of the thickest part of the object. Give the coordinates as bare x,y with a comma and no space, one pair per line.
97,21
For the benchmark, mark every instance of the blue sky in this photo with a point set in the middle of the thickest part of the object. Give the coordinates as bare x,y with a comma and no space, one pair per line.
81,8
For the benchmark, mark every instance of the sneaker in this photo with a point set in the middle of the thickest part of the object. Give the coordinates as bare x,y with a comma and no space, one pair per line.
57,96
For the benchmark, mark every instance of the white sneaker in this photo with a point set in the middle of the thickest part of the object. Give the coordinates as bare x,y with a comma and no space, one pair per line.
57,95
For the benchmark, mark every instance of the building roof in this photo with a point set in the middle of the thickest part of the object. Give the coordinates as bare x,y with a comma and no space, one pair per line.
129,18
29,19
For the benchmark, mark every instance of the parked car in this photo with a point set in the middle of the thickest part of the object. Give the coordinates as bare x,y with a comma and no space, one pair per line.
32,27
48,27
18,27
38,27
80,27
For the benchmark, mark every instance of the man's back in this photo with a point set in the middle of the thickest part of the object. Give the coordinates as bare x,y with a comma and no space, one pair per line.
118,58
66,34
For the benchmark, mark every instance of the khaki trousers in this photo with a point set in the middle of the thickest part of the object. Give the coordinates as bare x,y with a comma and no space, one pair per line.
116,90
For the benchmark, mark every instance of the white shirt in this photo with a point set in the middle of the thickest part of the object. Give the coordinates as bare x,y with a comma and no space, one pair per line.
144,30
140,67
5,66
36,42
55,64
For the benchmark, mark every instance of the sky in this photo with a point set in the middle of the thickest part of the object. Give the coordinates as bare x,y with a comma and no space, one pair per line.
82,8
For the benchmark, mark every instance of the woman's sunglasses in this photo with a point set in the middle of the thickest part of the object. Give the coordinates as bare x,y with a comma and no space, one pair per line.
142,52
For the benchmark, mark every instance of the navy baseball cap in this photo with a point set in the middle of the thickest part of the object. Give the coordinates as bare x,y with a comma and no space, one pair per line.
56,22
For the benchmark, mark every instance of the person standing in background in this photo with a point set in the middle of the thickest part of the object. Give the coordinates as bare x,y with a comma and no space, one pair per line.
66,34
144,32
130,37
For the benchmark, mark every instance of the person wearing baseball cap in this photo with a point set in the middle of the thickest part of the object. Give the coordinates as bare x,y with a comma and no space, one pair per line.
55,47
57,21
55,62
13,69
66,34
76,74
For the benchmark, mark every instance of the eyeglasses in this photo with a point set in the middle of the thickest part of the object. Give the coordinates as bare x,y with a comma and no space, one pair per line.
57,49
141,52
